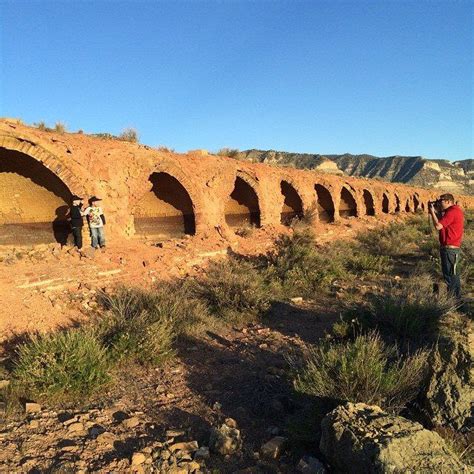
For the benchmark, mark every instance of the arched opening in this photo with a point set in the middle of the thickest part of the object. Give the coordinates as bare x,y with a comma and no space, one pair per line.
292,205
166,211
33,202
385,204
423,206
242,207
369,203
347,205
416,203
324,203
407,206
397,203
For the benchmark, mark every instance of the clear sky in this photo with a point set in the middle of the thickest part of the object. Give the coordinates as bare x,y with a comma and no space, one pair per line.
378,77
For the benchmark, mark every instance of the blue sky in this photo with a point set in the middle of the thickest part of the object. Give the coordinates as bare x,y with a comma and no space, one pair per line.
379,77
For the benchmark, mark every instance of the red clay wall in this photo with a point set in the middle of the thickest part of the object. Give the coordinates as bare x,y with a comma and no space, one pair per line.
119,173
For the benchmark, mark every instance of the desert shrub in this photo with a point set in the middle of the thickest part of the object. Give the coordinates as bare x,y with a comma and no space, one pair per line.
391,240
408,311
60,127
129,135
230,152
165,149
234,290
363,370
461,444
105,136
137,327
67,364
42,126
364,264
245,231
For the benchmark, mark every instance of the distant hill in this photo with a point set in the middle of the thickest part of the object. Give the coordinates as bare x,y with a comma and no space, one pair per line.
457,176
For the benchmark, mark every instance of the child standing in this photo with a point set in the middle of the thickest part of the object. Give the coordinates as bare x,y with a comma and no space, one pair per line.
96,220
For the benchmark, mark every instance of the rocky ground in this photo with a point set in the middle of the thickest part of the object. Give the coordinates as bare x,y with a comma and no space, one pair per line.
164,418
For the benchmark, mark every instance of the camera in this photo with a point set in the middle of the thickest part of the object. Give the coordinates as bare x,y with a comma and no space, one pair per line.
436,204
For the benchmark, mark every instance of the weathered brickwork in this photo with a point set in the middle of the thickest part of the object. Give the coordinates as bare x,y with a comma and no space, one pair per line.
149,192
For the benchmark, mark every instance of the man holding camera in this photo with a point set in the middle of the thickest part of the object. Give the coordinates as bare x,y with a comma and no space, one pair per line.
450,224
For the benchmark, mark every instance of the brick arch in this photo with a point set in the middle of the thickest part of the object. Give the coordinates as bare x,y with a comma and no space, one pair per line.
349,201
143,185
368,201
292,203
325,203
244,203
46,158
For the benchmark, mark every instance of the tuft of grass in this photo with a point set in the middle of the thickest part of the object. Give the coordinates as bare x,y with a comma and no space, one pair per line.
234,290
136,327
392,240
230,152
363,370
42,126
129,135
60,127
63,365
408,311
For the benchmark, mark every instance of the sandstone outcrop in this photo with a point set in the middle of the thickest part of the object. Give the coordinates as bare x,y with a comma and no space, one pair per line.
156,194
455,177
359,438
449,399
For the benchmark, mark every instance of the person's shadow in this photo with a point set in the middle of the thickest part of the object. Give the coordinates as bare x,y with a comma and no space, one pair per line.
61,228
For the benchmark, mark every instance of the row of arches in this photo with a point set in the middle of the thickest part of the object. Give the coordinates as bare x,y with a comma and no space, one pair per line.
34,202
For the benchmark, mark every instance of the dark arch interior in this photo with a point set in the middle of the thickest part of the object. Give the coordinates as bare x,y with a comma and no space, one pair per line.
385,203
407,206
325,204
397,203
416,203
242,206
166,211
33,202
369,203
347,206
292,205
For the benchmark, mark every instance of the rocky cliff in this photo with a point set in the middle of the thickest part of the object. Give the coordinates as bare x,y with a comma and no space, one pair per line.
457,177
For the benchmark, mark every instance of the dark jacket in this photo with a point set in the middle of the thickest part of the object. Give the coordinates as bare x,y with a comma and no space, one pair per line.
76,217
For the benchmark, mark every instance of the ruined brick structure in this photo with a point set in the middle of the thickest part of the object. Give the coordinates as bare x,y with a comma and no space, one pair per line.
152,193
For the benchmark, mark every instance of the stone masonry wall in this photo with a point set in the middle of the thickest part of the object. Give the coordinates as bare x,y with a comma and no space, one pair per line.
119,173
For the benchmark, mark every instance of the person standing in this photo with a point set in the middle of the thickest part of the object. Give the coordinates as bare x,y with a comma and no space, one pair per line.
96,220
76,220
450,227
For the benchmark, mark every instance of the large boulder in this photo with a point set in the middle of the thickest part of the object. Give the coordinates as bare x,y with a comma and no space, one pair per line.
450,394
359,438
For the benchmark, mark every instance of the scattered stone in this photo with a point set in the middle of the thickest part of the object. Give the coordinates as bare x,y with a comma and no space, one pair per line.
131,422
4,384
296,300
310,465
31,407
187,447
76,427
272,449
34,424
225,440
137,459
106,438
359,438
230,422
174,433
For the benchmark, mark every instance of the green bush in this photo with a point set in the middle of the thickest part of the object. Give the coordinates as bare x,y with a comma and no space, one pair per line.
234,290
137,327
392,240
67,364
408,311
364,370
